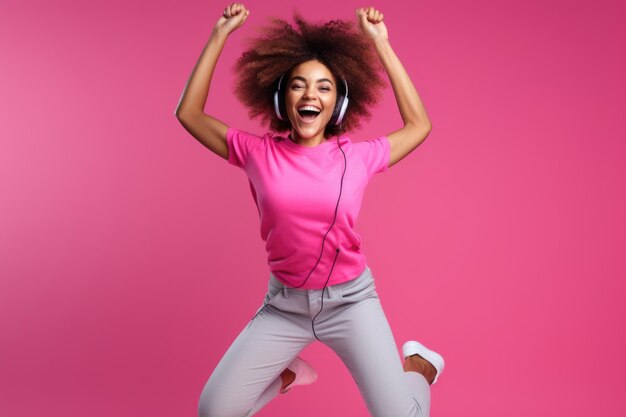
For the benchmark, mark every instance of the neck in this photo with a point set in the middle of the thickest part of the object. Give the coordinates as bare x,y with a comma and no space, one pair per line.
314,141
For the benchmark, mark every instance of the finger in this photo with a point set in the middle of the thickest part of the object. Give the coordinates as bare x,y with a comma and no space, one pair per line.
378,17
241,9
362,15
227,11
373,15
245,16
232,9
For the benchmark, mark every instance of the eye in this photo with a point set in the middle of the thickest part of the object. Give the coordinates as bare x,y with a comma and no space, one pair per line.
325,88
297,86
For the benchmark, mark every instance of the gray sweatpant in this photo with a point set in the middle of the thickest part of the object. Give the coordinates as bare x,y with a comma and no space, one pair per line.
352,323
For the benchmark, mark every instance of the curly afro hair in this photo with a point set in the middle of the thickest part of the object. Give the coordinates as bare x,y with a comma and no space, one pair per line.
336,44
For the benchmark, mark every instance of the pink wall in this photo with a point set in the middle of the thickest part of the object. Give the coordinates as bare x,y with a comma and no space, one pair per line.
500,241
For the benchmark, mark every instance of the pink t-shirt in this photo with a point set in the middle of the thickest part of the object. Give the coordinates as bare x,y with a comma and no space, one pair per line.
296,188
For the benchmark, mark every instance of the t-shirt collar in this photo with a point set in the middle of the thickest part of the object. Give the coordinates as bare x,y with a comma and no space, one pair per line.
330,143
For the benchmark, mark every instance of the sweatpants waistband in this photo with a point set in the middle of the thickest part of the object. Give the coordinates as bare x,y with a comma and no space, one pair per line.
332,290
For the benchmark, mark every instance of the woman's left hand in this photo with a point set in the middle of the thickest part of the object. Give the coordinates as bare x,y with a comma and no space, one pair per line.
371,22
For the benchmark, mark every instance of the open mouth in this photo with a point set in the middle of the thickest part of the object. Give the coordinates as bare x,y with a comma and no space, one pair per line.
308,113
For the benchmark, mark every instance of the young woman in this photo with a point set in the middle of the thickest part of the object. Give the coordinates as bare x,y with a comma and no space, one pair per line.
314,83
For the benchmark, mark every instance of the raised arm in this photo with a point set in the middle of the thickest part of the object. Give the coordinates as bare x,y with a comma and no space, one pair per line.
416,123
190,110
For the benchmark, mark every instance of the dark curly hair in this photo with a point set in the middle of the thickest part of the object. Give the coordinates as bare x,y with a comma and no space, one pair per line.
336,44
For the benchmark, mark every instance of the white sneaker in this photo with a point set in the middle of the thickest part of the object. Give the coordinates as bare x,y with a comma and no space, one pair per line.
412,347
305,374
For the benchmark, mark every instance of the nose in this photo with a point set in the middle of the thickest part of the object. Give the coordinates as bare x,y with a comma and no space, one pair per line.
309,92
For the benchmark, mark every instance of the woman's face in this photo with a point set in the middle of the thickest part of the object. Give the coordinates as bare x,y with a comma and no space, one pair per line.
310,99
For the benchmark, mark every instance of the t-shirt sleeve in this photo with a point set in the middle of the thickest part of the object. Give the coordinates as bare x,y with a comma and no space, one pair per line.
375,154
240,145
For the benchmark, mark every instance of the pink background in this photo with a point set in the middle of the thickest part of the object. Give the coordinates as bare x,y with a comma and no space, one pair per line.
499,242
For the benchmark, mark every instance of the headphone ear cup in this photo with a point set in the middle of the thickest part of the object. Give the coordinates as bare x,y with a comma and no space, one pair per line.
339,111
277,105
279,99
282,106
342,111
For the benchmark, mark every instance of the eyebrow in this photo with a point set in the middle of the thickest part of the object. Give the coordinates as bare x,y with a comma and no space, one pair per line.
297,77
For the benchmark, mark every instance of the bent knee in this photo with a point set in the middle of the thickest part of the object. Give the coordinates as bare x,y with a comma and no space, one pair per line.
218,404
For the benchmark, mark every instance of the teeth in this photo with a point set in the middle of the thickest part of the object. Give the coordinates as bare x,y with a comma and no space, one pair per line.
309,108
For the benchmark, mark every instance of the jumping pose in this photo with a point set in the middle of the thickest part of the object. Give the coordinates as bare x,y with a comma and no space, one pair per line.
311,84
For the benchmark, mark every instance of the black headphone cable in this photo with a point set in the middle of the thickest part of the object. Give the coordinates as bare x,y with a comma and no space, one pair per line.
322,251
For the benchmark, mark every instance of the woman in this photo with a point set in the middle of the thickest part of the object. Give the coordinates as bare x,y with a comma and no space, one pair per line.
315,82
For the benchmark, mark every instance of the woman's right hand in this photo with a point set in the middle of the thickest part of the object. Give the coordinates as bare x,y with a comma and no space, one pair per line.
234,16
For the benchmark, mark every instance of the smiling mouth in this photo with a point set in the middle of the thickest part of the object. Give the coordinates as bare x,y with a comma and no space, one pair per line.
308,113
